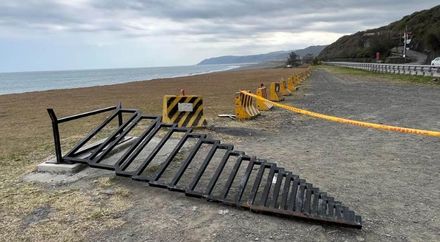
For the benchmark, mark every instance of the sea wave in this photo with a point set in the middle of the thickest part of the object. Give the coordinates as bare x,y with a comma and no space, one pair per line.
20,82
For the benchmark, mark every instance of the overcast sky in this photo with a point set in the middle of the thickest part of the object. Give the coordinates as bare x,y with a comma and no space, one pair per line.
87,34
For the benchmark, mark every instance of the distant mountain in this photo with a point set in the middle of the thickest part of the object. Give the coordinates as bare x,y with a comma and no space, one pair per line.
315,50
423,26
272,56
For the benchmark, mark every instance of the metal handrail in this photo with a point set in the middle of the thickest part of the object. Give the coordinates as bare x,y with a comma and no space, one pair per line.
56,121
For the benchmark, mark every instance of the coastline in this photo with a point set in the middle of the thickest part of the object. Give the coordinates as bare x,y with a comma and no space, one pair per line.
26,125
69,79
216,86
264,65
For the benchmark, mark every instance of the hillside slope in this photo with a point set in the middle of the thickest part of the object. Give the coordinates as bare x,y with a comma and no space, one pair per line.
272,56
423,25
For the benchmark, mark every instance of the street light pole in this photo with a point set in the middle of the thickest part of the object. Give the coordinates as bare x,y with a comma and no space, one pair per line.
405,37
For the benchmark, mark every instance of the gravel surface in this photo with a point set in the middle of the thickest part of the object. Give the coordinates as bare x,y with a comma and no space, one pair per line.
391,179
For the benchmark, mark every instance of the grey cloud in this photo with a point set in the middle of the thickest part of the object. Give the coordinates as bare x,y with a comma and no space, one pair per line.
236,9
36,12
210,20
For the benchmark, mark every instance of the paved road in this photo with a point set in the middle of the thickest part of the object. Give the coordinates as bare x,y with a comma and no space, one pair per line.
419,58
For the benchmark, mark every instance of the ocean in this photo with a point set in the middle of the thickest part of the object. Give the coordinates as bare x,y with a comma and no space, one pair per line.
19,82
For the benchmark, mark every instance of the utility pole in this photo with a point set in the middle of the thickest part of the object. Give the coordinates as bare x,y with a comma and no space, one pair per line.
405,37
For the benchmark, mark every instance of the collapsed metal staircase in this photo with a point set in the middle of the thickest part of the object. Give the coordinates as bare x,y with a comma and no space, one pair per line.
235,179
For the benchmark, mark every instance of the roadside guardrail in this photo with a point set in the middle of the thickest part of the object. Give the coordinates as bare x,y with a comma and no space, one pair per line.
416,70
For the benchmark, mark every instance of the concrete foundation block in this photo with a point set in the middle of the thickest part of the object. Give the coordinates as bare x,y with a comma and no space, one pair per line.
52,167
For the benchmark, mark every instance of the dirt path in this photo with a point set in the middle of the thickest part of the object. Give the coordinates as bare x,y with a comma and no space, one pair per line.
390,178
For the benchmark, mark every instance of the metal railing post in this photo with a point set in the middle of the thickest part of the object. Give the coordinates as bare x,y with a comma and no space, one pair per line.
120,120
56,135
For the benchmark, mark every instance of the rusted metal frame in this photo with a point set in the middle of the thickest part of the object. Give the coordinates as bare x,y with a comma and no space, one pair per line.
253,195
155,181
212,183
114,138
227,187
86,114
173,185
244,181
266,190
91,134
157,148
276,191
298,198
123,168
55,127
191,190
136,148
95,162
304,216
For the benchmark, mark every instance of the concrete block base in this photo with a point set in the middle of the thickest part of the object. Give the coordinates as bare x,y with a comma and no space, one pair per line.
52,167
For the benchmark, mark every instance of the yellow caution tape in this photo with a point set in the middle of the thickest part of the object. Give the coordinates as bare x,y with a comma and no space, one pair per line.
348,121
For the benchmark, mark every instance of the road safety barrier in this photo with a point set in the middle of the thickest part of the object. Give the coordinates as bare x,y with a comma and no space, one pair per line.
417,70
283,88
262,105
292,82
274,92
308,72
184,110
236,179
245,107
304,75
349,121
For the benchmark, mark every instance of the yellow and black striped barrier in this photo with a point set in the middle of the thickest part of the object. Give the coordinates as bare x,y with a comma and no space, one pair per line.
184,110
262,105
283,88
296,79
292,82
274,92
306,74
347,121
245,106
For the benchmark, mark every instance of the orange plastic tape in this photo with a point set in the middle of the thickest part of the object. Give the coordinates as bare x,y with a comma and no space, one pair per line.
349,121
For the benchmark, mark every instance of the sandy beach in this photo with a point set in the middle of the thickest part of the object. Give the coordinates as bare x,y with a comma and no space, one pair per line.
25,121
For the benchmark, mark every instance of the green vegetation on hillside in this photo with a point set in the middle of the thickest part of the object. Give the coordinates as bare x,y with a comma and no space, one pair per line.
424,27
